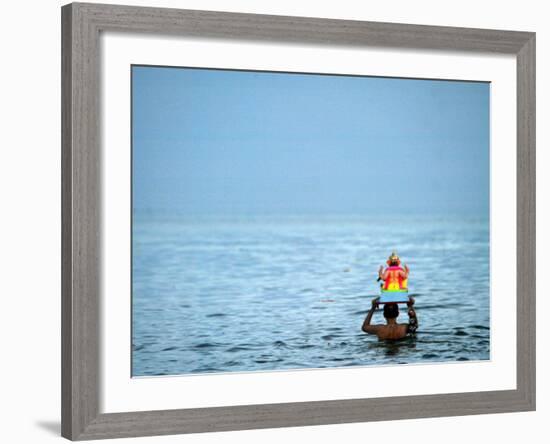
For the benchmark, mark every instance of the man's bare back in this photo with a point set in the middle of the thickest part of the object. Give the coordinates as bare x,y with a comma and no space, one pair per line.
393,332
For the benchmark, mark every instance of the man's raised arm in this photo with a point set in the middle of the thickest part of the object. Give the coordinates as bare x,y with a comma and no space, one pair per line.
367,327
413,321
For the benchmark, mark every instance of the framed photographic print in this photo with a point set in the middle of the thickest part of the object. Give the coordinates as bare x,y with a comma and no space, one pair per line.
269,221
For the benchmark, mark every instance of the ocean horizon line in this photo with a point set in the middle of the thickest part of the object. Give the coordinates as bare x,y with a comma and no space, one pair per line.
171,215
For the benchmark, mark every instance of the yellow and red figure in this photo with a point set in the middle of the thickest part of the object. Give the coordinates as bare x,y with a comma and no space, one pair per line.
394,277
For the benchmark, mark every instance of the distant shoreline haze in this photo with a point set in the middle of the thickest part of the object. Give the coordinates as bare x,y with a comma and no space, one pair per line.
231,142
140,215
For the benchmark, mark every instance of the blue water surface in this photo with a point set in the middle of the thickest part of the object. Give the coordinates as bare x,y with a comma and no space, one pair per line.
265,293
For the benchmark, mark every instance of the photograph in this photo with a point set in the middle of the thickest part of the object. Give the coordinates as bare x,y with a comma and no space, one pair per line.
287,221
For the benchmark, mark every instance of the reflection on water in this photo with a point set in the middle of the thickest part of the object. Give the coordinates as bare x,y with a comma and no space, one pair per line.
218,295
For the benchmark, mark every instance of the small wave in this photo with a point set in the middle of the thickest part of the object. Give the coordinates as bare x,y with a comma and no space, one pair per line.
205,370
439,306
205,345
169,348
237,348
329,337
363,296
216,315
429,356
481,327
349,364
433,332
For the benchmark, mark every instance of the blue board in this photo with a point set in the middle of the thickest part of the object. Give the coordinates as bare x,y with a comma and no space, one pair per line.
388,297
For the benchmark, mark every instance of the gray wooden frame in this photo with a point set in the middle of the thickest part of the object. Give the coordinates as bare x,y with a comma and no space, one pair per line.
81,234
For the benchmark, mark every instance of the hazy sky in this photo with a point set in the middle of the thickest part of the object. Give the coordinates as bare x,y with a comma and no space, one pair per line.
216,141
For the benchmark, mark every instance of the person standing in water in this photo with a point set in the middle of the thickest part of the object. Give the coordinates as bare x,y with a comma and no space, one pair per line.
394,277
392,330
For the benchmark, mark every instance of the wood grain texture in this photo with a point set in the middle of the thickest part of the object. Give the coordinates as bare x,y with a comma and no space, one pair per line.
66,224
81,234
526,221
119,425
81,222
230,25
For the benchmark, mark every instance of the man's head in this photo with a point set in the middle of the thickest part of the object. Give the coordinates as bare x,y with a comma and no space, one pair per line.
393,260
391,311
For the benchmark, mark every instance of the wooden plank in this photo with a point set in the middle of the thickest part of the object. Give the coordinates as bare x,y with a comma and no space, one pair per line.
259,27
526,222
81,222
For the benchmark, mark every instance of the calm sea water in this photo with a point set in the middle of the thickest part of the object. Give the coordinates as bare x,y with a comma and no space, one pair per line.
278,293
